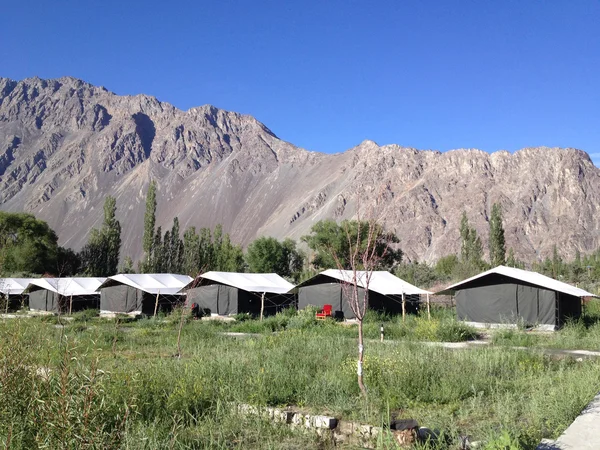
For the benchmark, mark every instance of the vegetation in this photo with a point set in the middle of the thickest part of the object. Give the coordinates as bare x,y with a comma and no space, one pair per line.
497,244
149,224
268,255
100,257
328,238
92,384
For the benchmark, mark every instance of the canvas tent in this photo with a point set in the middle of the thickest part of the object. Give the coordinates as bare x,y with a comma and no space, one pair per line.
386,292
509,295
227,293
12,290
64,294
141,293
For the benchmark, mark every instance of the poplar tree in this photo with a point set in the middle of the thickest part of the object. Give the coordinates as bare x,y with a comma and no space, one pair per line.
100,256
497,244
149,223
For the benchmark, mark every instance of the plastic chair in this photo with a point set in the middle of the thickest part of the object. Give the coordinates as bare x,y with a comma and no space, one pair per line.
324,313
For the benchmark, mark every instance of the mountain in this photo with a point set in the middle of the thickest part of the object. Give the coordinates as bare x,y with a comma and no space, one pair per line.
65,145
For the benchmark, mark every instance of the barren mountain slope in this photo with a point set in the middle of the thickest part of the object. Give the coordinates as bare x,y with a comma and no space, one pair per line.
65,145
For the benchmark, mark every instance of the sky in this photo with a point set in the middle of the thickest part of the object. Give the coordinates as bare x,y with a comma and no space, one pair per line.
326,75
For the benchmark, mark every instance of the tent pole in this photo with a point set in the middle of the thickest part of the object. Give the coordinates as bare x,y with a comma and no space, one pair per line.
428,309
262,305
156,303
70,305
403,308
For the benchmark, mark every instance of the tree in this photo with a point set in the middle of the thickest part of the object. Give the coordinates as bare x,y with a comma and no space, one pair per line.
100,256
27,244
328,238
294,259
471,250
191,252
175,263
497,245
148,239
266,255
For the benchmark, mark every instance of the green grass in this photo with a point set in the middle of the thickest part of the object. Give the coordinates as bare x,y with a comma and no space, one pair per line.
108,384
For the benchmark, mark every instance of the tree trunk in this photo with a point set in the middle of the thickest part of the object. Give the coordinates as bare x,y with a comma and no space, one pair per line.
262,305
361,356
403,307
428,309
71,305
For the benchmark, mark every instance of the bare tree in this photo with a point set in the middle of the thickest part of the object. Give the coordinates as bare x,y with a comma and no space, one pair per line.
364,256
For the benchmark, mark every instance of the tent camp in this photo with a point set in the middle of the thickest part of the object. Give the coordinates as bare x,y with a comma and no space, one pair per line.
13,296
509,295
64,294
141,293
227,293
386,292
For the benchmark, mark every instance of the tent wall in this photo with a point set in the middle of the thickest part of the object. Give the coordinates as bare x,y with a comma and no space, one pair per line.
166,303
43,300
569,307
120,298
227,300
333,294
509,303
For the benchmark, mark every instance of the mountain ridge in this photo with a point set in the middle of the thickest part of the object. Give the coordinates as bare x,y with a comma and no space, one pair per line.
65,144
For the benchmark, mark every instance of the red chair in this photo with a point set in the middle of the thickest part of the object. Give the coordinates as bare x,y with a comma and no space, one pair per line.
324,313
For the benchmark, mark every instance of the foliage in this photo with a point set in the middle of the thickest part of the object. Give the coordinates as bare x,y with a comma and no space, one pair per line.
497,243
419,274
268,255
328,238
148,238
27,244
471,253
100,256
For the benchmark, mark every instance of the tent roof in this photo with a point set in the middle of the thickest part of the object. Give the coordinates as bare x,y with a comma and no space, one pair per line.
14,286
152,283
381,281
526,276
67,286
251,282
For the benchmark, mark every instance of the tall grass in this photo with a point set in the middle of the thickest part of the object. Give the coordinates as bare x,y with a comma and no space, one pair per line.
90,393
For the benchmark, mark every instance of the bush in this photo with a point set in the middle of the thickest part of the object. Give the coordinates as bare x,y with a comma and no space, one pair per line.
85,315
453,331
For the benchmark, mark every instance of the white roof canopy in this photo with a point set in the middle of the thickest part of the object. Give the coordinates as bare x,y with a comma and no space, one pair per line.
153,283
67,286
14,286
380,281
251,282
526,276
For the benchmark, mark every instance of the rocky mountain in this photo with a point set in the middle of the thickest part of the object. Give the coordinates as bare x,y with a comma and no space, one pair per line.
65,145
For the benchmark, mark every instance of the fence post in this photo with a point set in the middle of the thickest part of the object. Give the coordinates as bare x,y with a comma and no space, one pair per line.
381,330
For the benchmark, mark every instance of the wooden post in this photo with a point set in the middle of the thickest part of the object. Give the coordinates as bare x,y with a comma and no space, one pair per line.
428,309
156,304
403,307
71,305
381,333
6,307
262,305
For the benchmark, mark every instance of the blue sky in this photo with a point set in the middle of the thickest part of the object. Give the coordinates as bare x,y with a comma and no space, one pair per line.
325,75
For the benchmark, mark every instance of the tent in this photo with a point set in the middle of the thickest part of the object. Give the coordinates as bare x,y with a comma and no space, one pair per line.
145,293
386,292
509,295
227,293
64,294
12,290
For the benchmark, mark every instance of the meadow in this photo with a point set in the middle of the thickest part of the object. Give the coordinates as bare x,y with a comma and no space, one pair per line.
97,383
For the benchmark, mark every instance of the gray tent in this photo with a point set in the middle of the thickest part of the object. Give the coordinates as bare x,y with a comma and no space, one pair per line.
386,292
228,293
64,294
142,293
509,295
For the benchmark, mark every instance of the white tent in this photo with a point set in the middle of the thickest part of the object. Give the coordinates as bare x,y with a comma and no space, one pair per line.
526,276
380,281
227,293
152,283
50,294
14,286
145,293
251,282
68,286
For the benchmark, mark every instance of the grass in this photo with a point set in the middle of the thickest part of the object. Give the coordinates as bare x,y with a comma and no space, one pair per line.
105,384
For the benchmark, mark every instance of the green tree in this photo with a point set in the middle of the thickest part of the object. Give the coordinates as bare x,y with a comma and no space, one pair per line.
100,257
27,244
175,249
497,245
266,255
328,238
149,238
446,266
471,249
191,252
